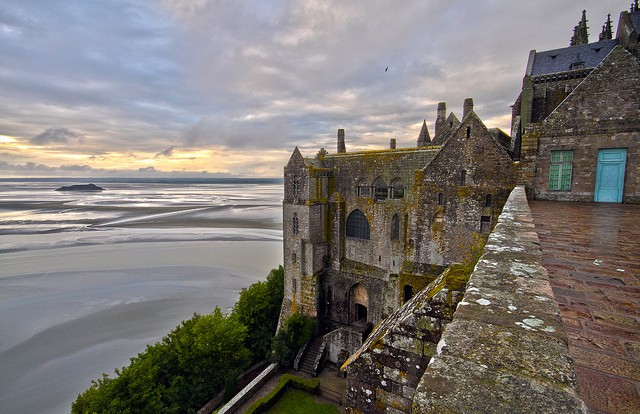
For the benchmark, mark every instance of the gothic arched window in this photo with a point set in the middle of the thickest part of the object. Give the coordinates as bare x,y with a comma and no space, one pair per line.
397,189
381,190
358,225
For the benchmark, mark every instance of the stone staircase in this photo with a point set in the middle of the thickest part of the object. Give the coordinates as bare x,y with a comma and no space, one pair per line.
308,361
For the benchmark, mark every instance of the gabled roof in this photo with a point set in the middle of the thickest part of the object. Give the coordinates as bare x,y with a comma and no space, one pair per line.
446,129
560,60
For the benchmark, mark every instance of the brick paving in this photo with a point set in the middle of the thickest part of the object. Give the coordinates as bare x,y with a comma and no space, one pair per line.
592,253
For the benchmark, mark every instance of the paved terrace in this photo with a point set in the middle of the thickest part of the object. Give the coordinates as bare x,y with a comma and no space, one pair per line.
592,254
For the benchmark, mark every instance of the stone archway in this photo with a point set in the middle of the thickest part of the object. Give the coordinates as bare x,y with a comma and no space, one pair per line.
358,304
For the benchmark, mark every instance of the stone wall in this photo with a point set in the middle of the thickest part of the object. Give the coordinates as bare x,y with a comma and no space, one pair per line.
506,349
602,112
383,373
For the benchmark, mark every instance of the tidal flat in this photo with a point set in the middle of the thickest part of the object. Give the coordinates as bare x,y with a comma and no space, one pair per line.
85,286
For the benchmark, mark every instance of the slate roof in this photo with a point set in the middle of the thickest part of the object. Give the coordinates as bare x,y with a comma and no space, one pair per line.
560,60
635,20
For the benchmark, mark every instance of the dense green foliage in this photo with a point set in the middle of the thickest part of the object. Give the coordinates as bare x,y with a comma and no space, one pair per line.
296,331
198,359
258,309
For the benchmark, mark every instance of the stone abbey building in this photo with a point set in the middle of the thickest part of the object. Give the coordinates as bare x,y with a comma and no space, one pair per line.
369,237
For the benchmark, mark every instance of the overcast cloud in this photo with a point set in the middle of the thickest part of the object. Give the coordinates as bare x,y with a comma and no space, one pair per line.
92,86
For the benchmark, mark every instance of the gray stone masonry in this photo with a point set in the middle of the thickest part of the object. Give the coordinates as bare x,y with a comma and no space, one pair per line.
506,349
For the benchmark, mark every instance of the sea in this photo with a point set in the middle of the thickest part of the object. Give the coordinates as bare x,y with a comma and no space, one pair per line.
89,279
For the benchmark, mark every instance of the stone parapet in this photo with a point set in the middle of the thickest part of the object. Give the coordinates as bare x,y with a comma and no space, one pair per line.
505,350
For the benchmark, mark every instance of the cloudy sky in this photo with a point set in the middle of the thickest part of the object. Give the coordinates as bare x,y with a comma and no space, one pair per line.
215,87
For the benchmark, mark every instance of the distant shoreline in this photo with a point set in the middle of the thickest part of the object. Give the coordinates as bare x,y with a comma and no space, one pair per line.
150,180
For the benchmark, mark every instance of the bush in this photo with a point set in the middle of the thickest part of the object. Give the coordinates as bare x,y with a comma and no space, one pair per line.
258,308
296,331
198,359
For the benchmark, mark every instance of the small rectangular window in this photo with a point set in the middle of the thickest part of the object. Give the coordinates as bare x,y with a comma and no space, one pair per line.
485,224
560,170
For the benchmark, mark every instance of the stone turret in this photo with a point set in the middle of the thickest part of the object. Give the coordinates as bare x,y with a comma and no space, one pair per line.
424,139
580,32
441,116
341,145
467,107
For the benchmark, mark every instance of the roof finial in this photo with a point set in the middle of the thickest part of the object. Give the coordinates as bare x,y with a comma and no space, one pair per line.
580,33
634,6
607,30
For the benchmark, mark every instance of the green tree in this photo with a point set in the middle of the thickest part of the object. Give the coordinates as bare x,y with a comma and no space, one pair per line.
258,308
296,331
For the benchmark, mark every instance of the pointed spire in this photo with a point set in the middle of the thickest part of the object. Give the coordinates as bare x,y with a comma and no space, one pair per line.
424,139
607,30
580,32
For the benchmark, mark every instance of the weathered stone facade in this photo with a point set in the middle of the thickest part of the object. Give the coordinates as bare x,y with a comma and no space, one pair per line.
366,231
583,101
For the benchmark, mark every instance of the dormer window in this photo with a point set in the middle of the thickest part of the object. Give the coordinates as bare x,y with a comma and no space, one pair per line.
577,65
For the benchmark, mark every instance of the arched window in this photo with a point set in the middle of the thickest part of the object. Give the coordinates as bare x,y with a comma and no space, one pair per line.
296,223
487,200
358,225
364,190
407,292
397,189
395,227
380,189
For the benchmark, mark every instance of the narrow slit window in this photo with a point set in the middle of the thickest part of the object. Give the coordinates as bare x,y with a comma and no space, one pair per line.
395,227
440,199
463,177
487,201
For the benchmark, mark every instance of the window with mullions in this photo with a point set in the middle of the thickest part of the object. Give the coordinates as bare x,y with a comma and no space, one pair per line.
358,225
296,224
560,170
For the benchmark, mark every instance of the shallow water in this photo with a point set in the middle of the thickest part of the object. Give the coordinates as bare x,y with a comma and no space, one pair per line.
88,280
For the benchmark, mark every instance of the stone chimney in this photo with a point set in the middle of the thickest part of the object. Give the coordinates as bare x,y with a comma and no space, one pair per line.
467,108
392,143
441,116
341,145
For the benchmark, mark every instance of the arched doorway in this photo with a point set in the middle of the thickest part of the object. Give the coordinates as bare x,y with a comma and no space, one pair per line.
358,304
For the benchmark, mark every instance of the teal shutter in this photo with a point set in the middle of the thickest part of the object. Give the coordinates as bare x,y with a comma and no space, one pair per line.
560,170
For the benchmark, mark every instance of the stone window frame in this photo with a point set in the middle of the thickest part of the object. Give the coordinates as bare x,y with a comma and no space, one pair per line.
363,189
295,223
357,226
395,227
296,187
485,224
560,170
396,189
380,189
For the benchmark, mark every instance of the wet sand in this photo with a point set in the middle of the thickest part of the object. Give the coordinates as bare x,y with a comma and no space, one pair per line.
67,315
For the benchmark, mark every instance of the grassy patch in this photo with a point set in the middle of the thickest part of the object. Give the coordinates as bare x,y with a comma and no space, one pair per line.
296,401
